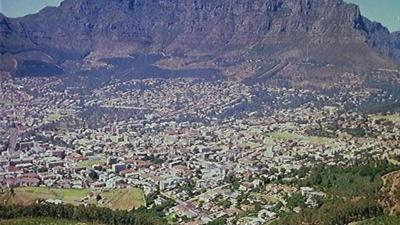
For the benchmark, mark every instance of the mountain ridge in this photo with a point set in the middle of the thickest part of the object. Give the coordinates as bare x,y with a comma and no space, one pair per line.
305,41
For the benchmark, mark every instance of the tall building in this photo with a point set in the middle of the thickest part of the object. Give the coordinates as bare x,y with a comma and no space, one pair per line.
12,143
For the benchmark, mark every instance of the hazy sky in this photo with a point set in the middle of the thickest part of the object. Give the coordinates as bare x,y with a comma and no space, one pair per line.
385,11
16,8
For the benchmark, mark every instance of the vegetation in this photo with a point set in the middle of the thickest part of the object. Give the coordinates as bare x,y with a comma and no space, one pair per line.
42,221
292,136
352,195
334,211
363,180
29,195
218,221
383,220
296,200
94,215
356,132
390,117
53,117
122,199
91,162
321,133
154,159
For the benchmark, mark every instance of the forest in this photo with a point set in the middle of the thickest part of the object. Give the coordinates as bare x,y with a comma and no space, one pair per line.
353,194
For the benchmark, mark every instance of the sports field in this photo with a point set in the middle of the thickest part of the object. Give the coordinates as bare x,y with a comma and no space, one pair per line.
123,199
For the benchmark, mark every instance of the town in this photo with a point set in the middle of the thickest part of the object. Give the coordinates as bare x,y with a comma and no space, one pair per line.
214,148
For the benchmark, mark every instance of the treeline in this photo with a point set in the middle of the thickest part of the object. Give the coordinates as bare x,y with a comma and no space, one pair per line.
354,181
107,216
352,194
335,211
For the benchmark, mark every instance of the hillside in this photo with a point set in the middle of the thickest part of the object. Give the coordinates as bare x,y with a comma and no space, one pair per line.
299,43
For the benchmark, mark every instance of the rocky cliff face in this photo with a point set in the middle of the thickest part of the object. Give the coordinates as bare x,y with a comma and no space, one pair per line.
246,39
380,38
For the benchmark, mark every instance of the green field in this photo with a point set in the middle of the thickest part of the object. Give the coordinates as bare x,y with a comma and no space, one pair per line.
41,221
250,145
286,136
91,162
53,117
28,195
123,199
392,118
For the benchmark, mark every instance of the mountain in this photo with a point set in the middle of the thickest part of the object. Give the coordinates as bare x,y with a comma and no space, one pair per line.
298,42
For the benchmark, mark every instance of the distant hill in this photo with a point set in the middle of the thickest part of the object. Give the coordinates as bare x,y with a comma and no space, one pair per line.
313,43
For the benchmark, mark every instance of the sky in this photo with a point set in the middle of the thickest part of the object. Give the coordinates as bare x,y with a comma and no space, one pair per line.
17,8
385,11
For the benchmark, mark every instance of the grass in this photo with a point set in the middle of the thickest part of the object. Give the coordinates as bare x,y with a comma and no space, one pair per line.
123,199
286,136
250,144
53,117
268,198
41,221
91,162
383,220
29,195
171,218
393,118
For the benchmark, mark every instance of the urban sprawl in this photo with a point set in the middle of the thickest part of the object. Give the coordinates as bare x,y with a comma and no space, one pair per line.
212,147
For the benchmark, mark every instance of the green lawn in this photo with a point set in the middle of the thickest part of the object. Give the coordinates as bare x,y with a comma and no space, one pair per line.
124,199
41,221
286,136
250,144
28,195
53,117
392,118
91,162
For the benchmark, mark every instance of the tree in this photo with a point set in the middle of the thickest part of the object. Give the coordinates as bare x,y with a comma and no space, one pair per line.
93,175
296,200
218,221
98,197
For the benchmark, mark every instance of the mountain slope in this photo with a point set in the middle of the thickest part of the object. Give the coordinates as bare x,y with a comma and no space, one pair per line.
306,42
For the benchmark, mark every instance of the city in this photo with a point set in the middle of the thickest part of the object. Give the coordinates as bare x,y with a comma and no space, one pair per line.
199,112
213,148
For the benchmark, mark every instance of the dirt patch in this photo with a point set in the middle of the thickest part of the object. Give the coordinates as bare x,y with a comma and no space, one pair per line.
390,193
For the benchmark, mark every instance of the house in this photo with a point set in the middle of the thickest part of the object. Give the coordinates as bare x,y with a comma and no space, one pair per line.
185,210
314,198
98,184
29,182
306,190
116,168
246,186
53,164
54,201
